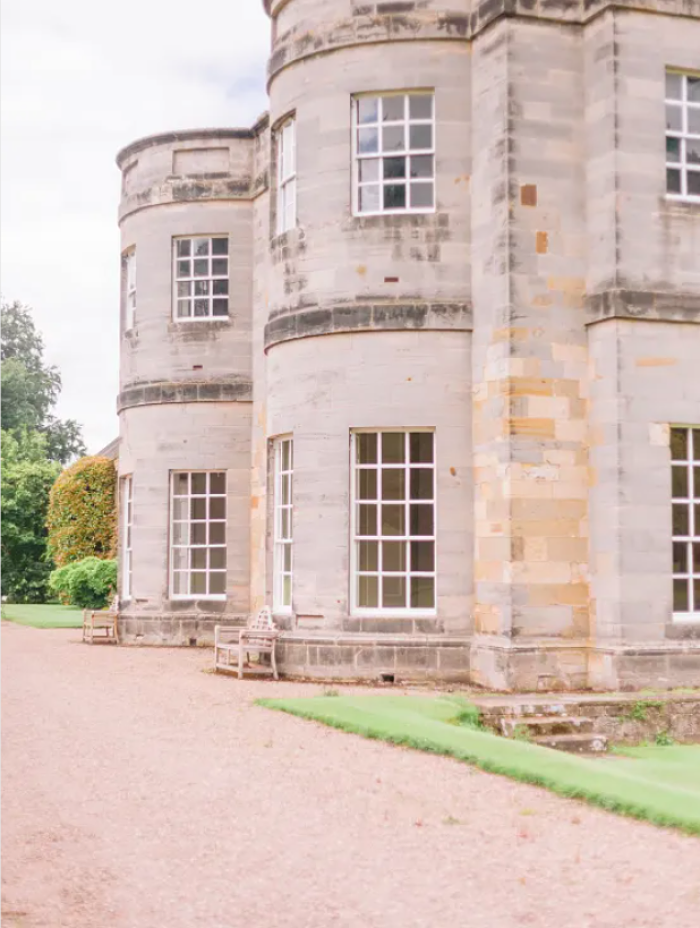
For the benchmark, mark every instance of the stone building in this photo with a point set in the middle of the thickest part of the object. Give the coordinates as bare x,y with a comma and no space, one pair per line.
416,358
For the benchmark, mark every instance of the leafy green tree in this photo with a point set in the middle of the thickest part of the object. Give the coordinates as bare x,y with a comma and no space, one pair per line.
27,478
30,388
82,516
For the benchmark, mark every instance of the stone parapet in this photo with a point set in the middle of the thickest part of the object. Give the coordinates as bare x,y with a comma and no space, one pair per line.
211,391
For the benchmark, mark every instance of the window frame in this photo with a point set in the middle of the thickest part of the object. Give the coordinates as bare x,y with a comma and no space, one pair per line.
692,540
683,135
280,542
214,597
129,289
127,574
210,278
391,611
286,182
380,155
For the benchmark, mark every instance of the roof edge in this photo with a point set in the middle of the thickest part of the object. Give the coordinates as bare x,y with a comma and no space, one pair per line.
185,135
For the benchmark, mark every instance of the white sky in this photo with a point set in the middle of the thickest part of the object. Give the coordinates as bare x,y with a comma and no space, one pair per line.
79,80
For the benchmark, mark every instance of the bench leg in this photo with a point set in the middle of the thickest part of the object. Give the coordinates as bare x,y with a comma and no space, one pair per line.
273,659
240,661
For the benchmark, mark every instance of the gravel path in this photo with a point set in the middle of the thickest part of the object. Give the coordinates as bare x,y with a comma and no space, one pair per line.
140,791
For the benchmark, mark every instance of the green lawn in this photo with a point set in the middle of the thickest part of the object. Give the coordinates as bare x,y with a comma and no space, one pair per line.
657,784
43,616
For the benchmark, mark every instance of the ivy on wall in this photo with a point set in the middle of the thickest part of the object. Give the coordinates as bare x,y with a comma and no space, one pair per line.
82,519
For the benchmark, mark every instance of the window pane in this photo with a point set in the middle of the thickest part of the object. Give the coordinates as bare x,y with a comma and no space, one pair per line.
201,288
421,136
368,200
220,307
367,484
695,566
180,584
369,169
394,592
422,166
395,196
199,484
696,489
201,308
394,167
679,444
201,267
219,246
393,138
184,309
673,148
694,121
674,117
393,448
287,591
217,557
394,556
286,523
693,89
423,592
369,555
393,108
180,484
180,510
217,483
287,558
220,287
199,533
217,507
393,520
696,444
673,180
286,489
679,482
180,556
421,519
184,268
199,558
198,583
217,533
680,595
367,594
183,247
421,447
201,246
219,266
184,288
673,86
368,140
366,444
217,583
692,151
694,183
367,521
393,483
422,196
680,557
420,106
422,555
681,525
421,483
368,109
180,533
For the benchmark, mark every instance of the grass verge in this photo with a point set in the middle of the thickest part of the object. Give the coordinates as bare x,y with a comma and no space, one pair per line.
43,616
653,786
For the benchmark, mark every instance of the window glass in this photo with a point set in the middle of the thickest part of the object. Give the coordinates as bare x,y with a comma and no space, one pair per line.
286,177
198,534
682,135
685,521
201,277
283,524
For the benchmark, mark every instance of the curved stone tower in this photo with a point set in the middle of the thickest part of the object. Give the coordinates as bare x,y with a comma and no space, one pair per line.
185,381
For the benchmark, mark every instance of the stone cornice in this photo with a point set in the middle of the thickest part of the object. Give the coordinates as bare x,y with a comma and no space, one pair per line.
156,392
643,305
368,317
385,22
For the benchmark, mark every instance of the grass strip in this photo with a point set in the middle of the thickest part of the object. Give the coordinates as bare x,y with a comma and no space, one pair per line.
43,616
437,726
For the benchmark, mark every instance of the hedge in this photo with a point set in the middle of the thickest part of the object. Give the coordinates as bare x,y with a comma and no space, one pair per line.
88,584
82,518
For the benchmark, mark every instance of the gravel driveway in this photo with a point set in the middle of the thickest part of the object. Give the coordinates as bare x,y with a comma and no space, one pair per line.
141,791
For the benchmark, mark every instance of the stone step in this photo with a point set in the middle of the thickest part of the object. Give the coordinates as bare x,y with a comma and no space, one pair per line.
536,725
576,744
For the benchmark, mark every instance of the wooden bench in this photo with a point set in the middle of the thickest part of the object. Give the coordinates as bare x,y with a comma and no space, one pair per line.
102,620
234,645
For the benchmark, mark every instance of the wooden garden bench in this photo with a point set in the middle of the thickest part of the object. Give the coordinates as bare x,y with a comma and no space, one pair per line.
234,645
105,620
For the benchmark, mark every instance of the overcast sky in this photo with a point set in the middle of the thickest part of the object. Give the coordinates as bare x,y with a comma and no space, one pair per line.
80,79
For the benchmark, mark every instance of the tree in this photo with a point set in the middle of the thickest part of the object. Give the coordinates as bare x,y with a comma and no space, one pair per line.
30,388
27,478
82,516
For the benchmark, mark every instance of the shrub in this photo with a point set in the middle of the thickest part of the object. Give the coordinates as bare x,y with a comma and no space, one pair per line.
82,518
88,583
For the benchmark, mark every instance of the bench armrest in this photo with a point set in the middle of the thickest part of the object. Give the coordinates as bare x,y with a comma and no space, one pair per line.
227,634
